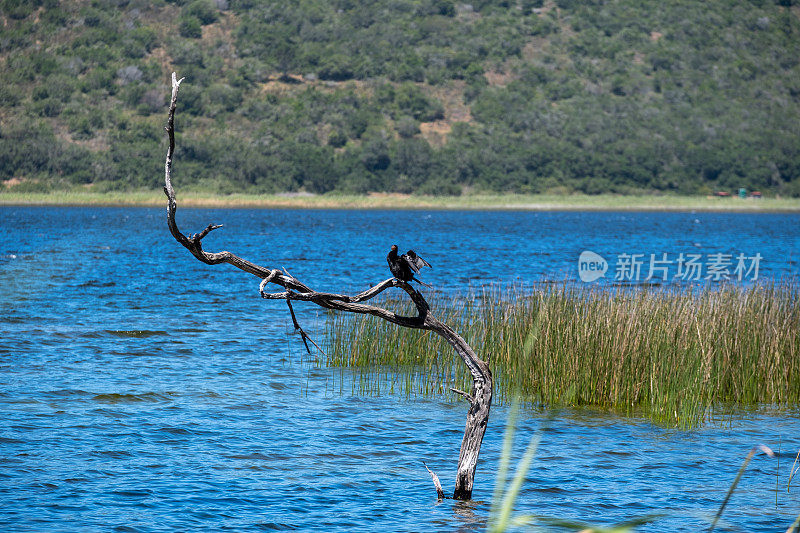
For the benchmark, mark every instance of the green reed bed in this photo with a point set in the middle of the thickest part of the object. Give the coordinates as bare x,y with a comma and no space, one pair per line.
671,355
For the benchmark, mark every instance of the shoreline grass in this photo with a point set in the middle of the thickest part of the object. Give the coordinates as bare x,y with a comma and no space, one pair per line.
673,356
538,202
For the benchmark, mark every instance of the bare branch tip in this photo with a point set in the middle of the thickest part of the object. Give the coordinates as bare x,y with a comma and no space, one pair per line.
175,81
436,482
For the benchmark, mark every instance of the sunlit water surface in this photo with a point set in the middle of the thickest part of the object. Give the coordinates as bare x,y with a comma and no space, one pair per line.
141,390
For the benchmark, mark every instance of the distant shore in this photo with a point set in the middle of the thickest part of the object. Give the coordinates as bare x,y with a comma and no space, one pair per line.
533,202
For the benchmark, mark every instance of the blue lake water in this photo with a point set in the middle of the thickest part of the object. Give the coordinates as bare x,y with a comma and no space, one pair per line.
141,390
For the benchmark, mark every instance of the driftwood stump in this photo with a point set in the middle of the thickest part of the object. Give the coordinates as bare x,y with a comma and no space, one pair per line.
480,398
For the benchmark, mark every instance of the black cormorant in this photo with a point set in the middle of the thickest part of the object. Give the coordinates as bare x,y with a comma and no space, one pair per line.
404,267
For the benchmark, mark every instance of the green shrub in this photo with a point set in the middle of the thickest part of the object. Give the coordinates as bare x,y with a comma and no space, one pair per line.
337,138
410,100
190,27
375,153
132,94
407,127
338,67
79,127
9,96
47,107
223,96
32,186
98,78
202,10
18,9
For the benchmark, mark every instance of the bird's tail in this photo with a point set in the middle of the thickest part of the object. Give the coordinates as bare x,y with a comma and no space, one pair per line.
422,283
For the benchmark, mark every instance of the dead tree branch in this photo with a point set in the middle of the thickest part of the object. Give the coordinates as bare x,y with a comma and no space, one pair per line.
480,398
300,330
436,482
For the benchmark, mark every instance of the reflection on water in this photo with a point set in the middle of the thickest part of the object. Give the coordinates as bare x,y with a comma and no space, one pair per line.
142,390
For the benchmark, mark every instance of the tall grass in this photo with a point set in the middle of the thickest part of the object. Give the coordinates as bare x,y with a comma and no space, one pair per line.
671,355
204,198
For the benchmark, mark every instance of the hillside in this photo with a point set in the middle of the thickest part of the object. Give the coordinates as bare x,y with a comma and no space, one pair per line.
406,96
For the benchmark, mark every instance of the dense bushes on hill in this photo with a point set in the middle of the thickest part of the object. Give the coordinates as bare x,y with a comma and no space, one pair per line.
426,96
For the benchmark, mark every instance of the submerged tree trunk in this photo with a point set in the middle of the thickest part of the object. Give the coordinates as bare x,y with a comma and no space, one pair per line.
480,398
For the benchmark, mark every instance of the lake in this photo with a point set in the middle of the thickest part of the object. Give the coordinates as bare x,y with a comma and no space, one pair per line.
144,391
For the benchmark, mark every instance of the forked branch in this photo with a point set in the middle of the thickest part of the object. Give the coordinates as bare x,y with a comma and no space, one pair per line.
294,290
